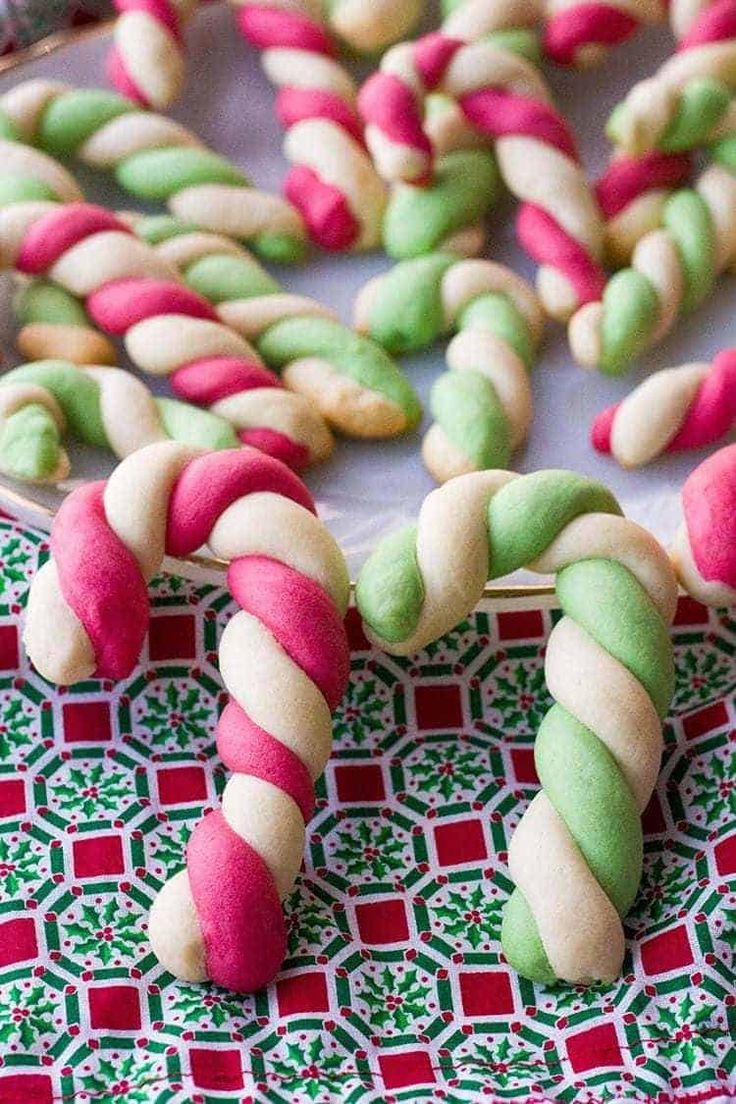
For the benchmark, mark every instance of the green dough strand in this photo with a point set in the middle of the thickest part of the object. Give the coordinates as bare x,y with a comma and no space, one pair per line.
407,314
30,444
419,220
41,301
579,775
703,103
467,407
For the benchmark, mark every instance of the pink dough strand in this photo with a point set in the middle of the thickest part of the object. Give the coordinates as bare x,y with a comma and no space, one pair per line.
386,102
210,379
602,428
276,444
713,413
296,104
211,483
121,304
324,209
55,233
247,749
709,507
586,25
100,581
498,113
628,178
160,10
299,614
267,27
432,55
118,76
547,243
713,24
238,908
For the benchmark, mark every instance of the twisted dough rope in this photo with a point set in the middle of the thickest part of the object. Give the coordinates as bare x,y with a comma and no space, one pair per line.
332,181
283,657
704,551
483,406
153,158
101,406
503,96
576,855
55,324
169,330
578,32
673,270
677,409
687,103
146,62
352,382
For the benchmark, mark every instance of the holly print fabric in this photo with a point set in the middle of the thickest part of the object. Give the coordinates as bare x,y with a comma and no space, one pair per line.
394,988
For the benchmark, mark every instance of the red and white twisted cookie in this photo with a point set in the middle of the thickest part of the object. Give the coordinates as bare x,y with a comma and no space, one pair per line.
680,408
332,182
704,551
146,62
168,329
503,96
283,657
578,32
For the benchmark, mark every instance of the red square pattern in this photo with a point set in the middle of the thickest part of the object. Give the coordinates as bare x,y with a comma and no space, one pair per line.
357,639
524,625
98,855
486,993
8,647
26,1088
669,950
172,636
302,993
17,941
400,1070
652,819
382,922
725,856
216,1069
86,722
114,1008
594,1048
705,720
181,785
690,612
460,842
522,760
12,797
438,706
363,782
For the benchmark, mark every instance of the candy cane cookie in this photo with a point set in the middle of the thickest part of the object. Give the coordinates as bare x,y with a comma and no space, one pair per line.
283,657
146,61
332,181
579,32
673,270
154,159
504,97
576,855
677,409
483,405
357,388
688,102
704,550
100,406
168,329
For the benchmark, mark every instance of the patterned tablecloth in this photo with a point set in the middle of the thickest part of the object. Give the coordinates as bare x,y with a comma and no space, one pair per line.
394,988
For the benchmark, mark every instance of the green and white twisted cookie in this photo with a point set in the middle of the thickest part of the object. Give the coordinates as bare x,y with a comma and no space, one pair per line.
483,405
354,384
98,405
154,159
673,270
576,856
